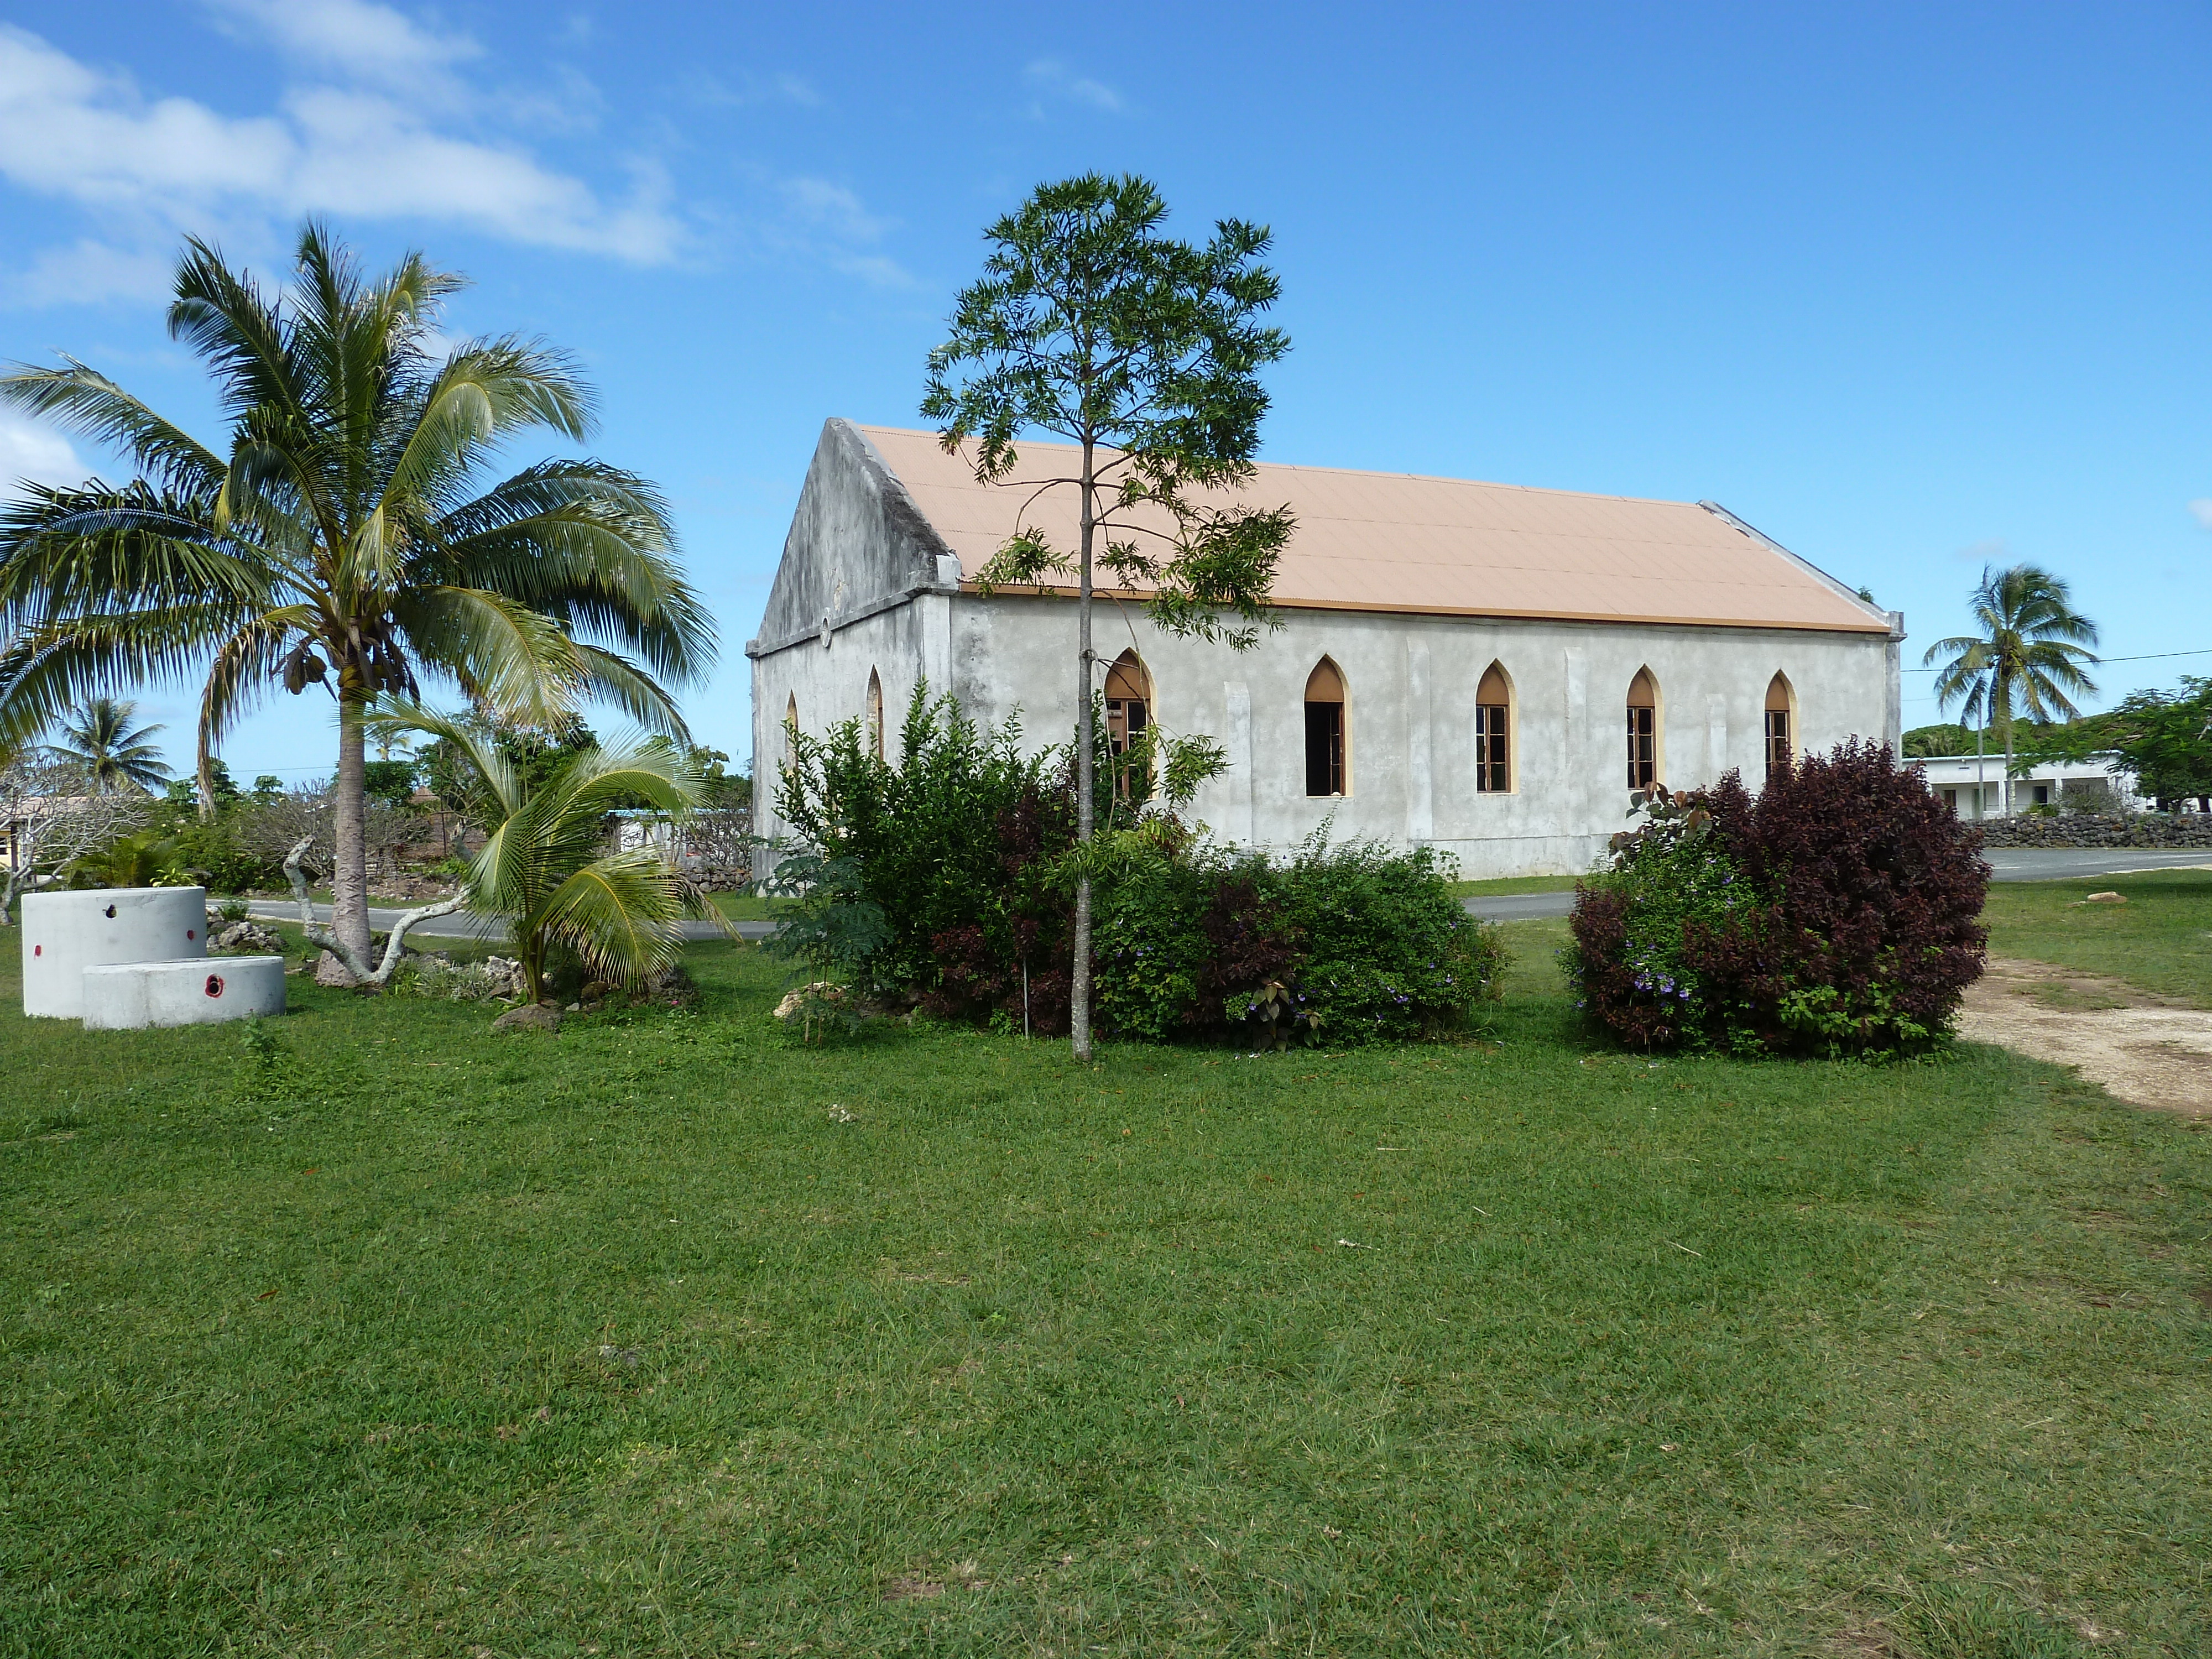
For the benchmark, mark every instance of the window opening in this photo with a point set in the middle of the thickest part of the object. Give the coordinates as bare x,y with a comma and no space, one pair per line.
1325,730
876,714
1493,713
1129,712
1643,731
1781,742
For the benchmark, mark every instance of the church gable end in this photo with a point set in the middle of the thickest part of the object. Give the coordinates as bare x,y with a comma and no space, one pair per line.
858,543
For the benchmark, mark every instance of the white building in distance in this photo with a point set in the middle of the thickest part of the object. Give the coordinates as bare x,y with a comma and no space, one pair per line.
1482,668
1972,785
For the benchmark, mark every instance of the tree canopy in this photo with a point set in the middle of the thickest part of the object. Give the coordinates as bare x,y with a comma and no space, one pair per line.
1144,352
347,534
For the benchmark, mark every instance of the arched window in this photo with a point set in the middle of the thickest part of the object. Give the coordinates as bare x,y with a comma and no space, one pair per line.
1494,725
1129,712
791,712
1327,731
875,721
1781,724
1643,731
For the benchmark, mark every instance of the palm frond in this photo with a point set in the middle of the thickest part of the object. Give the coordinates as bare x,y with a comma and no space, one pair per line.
221,316
68,552
513,659
87,402
643,699
48,669
620,914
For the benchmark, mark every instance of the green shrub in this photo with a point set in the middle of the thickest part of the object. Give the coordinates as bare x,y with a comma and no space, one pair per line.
210,848
1390,953
946,880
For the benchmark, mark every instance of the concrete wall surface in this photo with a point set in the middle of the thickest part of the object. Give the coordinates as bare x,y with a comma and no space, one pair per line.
1410,682
132,995
65,933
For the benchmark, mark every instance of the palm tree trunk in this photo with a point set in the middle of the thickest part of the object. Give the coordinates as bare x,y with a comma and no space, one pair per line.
1078,991
349,856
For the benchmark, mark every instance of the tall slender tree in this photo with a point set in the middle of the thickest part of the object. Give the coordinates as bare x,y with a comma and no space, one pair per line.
1089,325
115,752
346,537
2027,659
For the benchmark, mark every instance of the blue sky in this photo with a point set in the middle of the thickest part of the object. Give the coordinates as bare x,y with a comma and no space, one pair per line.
1908,288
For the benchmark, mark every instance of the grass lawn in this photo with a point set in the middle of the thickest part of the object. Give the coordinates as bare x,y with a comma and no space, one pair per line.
1503,884
664,1336
2159,940
749,906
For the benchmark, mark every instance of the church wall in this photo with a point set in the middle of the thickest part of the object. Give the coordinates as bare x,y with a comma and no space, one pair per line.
1410,686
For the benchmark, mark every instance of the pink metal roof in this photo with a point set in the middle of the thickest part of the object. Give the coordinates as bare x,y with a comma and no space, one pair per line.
1388,541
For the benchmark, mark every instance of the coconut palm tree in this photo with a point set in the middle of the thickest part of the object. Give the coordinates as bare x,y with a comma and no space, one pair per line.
347,537
2028,658
116,756
545,868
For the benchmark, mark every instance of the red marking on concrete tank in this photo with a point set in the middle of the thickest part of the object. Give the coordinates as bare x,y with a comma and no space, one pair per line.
38,950
191,934
214,985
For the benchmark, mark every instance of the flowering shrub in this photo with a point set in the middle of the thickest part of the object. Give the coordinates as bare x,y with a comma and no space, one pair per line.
1834,914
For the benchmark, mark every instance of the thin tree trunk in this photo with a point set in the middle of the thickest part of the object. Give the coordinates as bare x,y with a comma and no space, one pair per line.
350,853
1981,780
1079,1007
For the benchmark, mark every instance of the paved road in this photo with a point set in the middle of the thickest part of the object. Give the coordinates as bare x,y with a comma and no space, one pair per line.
2007,864
461,924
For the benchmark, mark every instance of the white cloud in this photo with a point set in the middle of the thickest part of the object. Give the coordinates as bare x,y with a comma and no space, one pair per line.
29,450
2201,509
160,164
1991,551
712,91
87,272
1050,74
824,220
833,208
361,42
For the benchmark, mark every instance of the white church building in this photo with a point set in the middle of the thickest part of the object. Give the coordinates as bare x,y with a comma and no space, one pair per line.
1482,668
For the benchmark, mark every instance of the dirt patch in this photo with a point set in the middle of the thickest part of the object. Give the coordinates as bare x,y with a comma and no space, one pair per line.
2152,1050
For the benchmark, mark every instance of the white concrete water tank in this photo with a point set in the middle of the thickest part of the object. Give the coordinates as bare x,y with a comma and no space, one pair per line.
65,933
130,995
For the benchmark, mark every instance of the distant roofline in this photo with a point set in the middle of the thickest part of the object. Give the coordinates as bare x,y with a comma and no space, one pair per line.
1997,755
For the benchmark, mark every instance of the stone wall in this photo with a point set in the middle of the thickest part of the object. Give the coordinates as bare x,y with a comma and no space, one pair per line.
2098,830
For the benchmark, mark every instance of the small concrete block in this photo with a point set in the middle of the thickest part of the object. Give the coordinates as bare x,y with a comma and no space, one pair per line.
65,933
130,996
